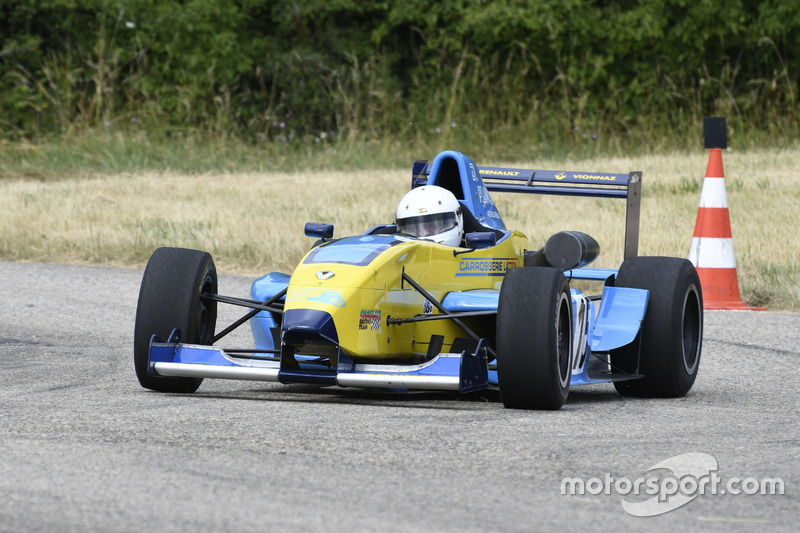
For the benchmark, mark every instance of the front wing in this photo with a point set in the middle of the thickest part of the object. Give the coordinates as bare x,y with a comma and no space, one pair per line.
462,372
597,332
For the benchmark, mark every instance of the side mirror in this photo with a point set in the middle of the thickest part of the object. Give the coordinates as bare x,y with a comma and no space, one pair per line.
320,231
481,239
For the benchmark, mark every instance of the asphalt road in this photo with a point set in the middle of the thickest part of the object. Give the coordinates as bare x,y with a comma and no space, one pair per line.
84,448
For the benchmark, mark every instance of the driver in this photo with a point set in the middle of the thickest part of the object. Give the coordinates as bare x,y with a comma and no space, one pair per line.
432,213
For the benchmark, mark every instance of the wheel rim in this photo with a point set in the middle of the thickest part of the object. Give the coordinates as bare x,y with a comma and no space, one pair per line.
203,313
564,336
691,330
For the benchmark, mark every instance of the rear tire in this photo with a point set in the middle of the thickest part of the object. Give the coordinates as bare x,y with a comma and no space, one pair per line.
672,330
169,298
534,338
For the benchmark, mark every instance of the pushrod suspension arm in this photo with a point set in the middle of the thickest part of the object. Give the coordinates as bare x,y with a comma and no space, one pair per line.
417,287
257,307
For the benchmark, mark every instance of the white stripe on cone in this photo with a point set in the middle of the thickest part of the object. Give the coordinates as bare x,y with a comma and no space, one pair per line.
708,252
713,193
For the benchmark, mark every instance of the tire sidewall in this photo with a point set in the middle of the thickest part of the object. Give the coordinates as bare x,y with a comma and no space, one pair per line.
672,328
169,298
534,309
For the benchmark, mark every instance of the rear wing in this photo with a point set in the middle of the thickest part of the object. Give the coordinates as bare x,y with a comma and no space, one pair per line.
561,182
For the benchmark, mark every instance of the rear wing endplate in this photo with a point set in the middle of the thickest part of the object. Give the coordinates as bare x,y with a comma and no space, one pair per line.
562,182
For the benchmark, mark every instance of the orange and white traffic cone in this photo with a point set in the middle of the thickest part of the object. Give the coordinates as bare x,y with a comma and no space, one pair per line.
712,244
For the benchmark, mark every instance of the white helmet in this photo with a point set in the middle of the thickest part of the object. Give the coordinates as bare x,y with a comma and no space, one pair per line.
432,213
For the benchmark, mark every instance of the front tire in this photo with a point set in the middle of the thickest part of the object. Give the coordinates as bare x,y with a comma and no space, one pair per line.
534,338
672,330
169,298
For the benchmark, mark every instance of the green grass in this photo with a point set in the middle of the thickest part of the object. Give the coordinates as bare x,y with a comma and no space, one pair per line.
131,148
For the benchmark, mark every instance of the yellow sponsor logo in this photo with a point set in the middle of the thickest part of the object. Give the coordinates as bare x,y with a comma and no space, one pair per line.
563,175
500,172
590,177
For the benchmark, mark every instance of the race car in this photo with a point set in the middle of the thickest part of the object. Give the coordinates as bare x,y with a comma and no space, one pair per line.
394,308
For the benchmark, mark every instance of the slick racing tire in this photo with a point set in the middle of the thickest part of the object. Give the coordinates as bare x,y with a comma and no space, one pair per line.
169,298
534,338
672,331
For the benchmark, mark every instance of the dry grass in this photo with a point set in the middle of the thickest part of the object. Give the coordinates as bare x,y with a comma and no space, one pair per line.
249,222
253,223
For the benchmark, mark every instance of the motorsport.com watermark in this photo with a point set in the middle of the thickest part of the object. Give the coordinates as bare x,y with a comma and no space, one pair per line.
691,475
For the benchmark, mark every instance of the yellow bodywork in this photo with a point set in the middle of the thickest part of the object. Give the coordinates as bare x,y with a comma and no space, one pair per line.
360,297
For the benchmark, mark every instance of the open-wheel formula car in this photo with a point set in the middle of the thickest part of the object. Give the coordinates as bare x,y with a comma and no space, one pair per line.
392,309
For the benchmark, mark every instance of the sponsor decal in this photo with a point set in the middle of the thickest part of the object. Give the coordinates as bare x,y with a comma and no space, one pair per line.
473,172
485,266
370,319
492,172
579,337
590,177
322,275
484,195
427,307
334,298
593,177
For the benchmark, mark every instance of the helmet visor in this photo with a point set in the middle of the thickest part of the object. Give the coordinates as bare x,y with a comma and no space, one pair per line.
427,225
